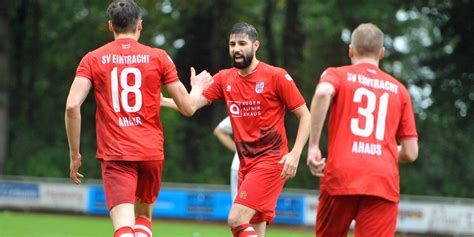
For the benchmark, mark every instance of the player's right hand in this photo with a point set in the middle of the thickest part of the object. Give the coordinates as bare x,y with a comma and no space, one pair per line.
203,79
315,163
75,164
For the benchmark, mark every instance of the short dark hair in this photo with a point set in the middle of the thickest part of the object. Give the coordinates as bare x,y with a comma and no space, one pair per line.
124,15
245,28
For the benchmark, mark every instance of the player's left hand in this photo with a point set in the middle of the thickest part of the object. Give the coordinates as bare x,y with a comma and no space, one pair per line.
290,166
75,164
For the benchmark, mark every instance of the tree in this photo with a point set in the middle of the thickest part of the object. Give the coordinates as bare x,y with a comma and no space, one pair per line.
446,77
4,67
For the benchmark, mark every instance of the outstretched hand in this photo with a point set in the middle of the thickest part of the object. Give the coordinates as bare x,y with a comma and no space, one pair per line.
202,80
74,166
315,162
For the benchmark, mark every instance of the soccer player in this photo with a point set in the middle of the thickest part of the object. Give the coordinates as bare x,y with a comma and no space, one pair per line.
223,132
369,112
126,77
257,95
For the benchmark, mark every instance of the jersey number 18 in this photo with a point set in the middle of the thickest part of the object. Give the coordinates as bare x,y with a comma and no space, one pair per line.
126,89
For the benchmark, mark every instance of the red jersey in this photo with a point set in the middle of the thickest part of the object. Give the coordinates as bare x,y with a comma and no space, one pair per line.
127,77
369,112
256,106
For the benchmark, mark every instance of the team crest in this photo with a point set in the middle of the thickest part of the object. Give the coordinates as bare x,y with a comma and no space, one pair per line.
259,87
243,195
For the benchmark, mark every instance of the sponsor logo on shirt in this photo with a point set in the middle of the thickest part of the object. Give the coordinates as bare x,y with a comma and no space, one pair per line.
126,46
259,87
288,77
234,108
229,88
244,108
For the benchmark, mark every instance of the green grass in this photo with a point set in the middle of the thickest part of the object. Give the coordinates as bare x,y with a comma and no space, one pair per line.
25,224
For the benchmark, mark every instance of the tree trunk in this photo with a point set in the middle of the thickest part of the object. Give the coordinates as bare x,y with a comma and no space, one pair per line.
4,78
267,27
293,38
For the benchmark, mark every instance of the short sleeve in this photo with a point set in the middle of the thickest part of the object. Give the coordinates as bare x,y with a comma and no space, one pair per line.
331,76
288,91
226,125
214,91
407,126
168,69
85,68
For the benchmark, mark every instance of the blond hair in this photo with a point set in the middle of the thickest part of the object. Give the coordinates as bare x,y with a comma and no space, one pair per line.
367,40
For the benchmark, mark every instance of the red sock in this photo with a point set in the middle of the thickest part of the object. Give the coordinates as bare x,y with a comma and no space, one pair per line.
142,227
245,230
125,231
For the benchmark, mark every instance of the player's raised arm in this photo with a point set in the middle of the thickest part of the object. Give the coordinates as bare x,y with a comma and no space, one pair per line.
77,94
186,103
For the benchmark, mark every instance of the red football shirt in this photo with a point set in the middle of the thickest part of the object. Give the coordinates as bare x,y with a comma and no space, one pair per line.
369,112
256,106
127,77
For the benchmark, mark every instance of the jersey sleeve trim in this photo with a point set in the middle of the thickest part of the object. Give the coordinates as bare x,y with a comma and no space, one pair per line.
408,136
297,106
80,75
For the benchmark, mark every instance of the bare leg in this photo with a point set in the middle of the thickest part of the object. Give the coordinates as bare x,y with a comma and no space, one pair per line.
122,215
239,215
260,228
143,210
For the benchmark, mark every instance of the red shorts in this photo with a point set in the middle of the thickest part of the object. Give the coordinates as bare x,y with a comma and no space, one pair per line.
129,181
374,216
259,189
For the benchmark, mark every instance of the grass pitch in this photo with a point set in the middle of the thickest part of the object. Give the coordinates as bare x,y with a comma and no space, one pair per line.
26,224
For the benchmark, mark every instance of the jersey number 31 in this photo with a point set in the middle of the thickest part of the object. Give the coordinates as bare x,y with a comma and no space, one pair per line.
368,113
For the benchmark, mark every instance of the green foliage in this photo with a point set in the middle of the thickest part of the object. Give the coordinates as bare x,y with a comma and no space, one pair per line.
48,39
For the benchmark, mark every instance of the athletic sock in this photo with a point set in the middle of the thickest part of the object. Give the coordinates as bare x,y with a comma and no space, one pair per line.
245,230
142,227
125,231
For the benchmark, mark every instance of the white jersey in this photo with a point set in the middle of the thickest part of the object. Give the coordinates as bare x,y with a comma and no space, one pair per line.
227,126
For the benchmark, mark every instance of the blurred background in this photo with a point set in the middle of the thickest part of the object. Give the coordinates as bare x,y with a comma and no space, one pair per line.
429,48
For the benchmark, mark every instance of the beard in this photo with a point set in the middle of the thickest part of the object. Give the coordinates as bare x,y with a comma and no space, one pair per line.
247,60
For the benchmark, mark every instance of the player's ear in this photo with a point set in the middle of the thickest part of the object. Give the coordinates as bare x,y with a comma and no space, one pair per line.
382,53
256,44
111,27
351,51
139,25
